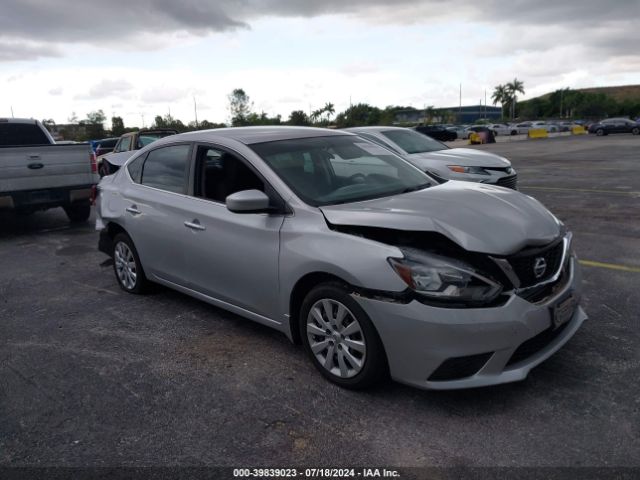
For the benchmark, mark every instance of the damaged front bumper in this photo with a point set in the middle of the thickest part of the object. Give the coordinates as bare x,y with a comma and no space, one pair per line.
447,348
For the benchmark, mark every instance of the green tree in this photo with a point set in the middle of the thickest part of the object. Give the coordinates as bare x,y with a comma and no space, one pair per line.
329,109
500,95
95,124
240,106
300,118
514,88
429,113
262,119
117,126
205,125
316,115
361,114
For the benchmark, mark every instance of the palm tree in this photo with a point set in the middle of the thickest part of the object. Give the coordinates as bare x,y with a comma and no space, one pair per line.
329,109
514,88
316,115
500,94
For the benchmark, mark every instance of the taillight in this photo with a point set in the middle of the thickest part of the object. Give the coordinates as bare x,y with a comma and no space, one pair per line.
94,163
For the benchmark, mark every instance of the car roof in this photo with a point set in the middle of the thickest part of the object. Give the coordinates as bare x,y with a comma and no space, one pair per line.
251,135
373,129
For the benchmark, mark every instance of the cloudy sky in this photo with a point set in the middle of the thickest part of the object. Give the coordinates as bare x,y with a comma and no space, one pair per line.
141,58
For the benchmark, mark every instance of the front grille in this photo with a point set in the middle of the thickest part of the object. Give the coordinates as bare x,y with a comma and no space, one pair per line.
460,367
542,292
524,263
536,344
508,182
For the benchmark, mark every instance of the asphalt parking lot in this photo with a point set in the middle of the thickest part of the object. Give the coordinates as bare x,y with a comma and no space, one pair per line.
90,375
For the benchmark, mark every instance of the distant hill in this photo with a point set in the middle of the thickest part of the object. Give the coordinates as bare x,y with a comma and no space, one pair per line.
619,93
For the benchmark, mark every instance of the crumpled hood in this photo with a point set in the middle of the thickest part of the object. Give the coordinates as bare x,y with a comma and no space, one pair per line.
467,157
120,158
478,217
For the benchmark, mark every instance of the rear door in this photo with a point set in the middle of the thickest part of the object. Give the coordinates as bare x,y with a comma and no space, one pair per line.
154,207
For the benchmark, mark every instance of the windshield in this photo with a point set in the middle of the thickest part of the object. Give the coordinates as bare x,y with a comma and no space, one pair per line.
413,142
147,138
340,169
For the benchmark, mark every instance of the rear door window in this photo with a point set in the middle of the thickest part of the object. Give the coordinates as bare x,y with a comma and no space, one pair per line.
167,168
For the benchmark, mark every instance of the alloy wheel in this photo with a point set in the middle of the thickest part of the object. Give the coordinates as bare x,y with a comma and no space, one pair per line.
125,265
336,338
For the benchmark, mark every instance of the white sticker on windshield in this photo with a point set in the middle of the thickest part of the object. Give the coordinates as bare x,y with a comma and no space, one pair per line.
373,149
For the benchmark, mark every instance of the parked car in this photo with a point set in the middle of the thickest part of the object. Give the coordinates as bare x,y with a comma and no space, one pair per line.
484,129
615,125
523,127
126,145
350,250
459,130
543,125
441,161
436,131
104,146
502,129
38,174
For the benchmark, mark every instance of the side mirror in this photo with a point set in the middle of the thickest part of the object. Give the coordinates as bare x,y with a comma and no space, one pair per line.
248,201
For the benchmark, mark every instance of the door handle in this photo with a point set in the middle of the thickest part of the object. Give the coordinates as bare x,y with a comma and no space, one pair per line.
133,210
195,225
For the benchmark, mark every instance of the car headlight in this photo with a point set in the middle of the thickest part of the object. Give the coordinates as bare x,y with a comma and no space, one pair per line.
443,279
461,169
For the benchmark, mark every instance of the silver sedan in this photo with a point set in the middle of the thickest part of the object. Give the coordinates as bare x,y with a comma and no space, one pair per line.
441,161
374,267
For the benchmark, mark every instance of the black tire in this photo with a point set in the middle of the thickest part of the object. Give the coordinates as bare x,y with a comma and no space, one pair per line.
141,284
514,132
635,131
600,132
375,366
78,212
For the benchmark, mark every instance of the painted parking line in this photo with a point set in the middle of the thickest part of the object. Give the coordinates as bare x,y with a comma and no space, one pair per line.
610,266
580,190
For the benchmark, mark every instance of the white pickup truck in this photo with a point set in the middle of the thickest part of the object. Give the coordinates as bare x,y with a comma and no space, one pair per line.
37,174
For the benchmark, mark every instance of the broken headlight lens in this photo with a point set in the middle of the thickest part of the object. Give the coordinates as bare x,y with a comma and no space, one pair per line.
444,279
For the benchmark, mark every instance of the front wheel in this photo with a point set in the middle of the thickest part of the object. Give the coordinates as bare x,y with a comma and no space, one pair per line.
78,212
600,132
340,339
127,266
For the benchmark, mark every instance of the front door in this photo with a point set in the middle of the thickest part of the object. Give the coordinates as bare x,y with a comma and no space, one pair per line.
232,257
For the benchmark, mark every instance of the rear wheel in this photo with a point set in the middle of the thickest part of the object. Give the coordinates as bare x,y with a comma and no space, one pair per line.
635,131
78,212
127,266
340,338
514,132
